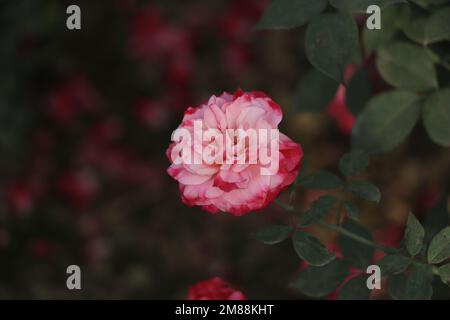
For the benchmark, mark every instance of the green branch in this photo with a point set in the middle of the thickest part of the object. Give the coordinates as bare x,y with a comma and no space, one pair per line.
356,237
344,232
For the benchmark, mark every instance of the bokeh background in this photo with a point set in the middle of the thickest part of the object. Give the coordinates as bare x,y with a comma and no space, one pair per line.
86,117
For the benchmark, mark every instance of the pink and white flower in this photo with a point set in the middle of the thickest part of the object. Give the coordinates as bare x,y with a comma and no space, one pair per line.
236,188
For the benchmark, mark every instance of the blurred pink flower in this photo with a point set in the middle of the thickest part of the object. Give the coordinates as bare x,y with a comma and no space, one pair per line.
73,97
20,198
79,188
153,114
152,38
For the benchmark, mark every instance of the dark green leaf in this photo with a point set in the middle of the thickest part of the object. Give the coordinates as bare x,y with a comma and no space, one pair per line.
330,41
318,210
386,121
353,163
321,180
407,66
320,281
414,235
311,250
287,14
437,2
365,190
361,5
436,117
355,289
438,26
393,264
314,92
439,248
444,273
418,285
273,234
397,286
357,254
351,210
415,30
359,91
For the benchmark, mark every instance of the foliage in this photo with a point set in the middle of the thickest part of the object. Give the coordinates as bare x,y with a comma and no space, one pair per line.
411,56
410,268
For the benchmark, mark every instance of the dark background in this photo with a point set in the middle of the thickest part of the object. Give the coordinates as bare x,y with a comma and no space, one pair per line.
86,117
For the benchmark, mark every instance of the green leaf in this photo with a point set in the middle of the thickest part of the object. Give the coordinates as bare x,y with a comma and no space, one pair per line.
317,282
438,26
359,91
436,117
415,30
318,210
437,2
357,254
351,210
321,180
421,3
439,248
355,289
444,273
386,121
361,5
397,286
330,41
287,14
272,234
314,92
353,163
365,190
414,235
407,66
377,38
311,249
393,264
418,285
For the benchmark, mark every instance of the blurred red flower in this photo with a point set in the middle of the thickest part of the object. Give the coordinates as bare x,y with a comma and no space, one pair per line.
20,198
75,96
338,109
214,289
41,249
79,188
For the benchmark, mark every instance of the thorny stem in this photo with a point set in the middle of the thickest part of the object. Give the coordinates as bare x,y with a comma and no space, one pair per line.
345,232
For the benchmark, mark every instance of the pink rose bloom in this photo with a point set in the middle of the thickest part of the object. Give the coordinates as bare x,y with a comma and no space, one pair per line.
236,188
214,289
